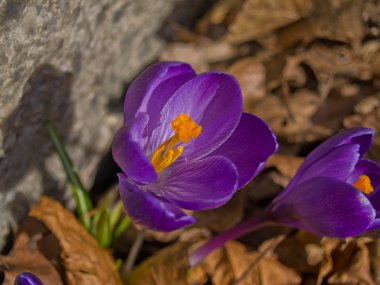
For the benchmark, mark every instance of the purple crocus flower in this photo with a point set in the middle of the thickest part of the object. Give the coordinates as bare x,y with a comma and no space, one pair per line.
185,144
335,193
27,278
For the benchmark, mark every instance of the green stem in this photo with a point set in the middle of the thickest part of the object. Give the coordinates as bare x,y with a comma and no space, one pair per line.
81,197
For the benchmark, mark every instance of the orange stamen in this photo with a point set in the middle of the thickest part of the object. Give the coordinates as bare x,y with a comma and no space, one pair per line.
363,184
185,129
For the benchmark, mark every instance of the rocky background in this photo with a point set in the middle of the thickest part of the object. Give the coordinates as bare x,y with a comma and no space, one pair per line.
64,61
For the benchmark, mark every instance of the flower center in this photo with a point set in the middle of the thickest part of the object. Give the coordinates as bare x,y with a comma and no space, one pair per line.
363,184
185,129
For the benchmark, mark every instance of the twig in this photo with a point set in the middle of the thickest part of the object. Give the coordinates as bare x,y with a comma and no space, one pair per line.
133,253
326,88
286,99
271,246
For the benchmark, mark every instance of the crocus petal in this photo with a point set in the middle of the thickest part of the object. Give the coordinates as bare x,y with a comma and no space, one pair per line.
27,278
160,97
248,147
199,185
326,206
375,225
142,88
129,155
151,211
212,100
338,163
361,136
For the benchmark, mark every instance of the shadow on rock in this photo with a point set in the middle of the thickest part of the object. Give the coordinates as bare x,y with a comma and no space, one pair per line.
26,142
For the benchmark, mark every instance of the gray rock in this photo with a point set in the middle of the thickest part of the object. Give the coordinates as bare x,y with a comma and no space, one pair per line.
64,61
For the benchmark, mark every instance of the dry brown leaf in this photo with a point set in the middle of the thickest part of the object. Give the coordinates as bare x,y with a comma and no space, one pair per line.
26,257
199,55
190,53
260,17
217,267
268,271
367,114
357,271
346,263
220,14
334,60
292,119
234,264
168,266
370,52
329,244
85,262
250,72
160,236
336,20
374,251
293,73
301,252
286,165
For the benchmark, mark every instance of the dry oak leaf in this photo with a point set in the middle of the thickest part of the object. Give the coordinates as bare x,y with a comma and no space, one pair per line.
260,17
234,263
85,262
26,257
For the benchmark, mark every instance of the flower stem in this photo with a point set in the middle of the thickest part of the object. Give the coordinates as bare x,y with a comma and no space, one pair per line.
134,251
218,241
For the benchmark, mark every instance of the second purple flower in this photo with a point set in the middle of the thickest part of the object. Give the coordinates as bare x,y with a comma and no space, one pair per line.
185,144
335,193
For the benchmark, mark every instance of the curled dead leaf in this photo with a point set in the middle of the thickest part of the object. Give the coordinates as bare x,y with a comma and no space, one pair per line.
346,262
250,72
26,257
221,13
84,261
301,252
235,264
332,60
292,119
335,20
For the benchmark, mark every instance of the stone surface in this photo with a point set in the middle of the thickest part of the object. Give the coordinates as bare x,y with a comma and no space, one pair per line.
64,60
